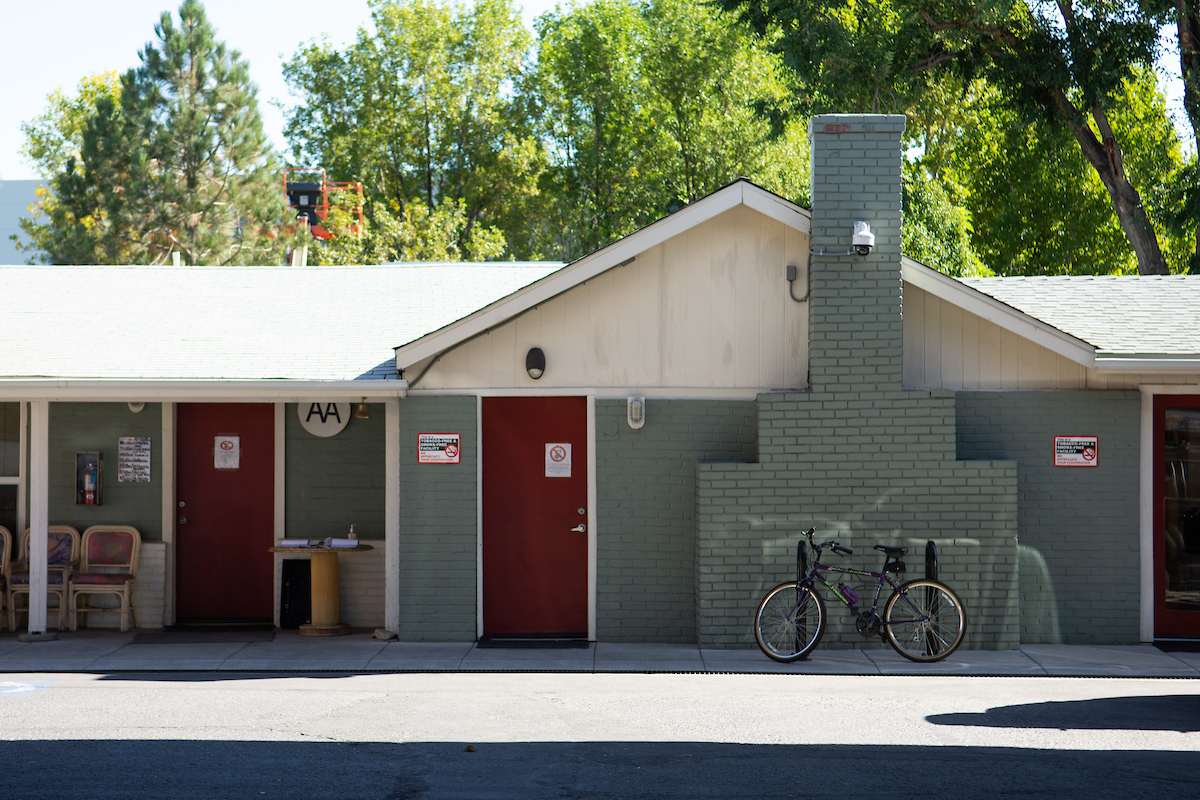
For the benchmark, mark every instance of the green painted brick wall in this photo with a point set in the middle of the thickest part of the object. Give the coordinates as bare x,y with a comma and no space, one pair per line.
335,481
861,477
1078,553
863,460
438,524
646,493
76,427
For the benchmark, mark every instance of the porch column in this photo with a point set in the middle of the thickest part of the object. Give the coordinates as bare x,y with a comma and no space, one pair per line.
391,514
39,511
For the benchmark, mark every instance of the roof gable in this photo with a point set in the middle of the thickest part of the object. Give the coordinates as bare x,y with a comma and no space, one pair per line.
739,193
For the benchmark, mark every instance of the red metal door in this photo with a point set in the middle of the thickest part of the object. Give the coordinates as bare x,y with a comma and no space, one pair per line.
535,557
223,568
1177,515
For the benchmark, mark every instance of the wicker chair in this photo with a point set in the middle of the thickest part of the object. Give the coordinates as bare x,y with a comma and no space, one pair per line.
5,565
108,565
61,557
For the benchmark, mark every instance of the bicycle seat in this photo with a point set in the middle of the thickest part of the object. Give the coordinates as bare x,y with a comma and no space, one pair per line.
892,552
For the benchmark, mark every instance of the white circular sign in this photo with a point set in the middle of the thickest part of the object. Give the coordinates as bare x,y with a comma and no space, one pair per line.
323,419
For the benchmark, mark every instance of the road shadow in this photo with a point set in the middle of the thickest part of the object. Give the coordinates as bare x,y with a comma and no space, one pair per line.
1149,713
111,769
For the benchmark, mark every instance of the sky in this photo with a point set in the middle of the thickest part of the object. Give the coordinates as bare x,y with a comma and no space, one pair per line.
54,43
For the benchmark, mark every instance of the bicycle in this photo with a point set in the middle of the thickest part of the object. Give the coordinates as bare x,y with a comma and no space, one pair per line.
923,620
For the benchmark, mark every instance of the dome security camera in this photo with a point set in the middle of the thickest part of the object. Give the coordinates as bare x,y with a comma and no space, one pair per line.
863,240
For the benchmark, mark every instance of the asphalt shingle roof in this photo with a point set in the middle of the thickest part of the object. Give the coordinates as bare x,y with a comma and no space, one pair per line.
1118,314
304,323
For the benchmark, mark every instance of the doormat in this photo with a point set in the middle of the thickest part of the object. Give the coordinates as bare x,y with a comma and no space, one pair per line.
208,634
1179,646
545,642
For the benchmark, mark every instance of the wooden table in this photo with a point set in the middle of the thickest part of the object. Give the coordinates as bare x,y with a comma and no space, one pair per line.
326,609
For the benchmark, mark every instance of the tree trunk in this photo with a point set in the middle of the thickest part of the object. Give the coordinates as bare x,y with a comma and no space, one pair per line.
1188,20
1108,160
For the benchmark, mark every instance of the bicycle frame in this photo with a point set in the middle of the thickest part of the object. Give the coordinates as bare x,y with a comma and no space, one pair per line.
810,575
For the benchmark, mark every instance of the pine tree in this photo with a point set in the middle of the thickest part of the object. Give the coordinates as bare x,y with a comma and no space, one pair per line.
181,164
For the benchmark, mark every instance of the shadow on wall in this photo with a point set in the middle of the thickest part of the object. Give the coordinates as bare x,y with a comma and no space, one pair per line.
1039,601
114,768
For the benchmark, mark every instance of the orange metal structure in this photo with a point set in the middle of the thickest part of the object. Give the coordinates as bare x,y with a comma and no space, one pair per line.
308,192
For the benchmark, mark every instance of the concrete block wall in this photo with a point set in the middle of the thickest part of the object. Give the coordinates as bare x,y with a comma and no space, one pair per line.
361,585
646,493
1066,514
438,524
863,460
148,593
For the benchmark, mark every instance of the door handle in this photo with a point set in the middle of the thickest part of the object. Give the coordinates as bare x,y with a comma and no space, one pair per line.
579,529
183,520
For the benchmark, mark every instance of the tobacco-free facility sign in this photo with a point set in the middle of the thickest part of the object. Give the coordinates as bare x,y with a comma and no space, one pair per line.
1076,451
439,448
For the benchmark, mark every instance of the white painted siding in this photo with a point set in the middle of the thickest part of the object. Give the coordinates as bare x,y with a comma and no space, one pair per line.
707,309
946,347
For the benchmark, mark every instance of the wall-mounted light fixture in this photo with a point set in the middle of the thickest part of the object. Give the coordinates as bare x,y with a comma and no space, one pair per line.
362,412
635,412
136,407
535,362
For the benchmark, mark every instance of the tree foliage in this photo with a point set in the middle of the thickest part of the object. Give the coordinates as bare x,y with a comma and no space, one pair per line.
1038,207
1061,65
177,163
651,106
425,111
624,112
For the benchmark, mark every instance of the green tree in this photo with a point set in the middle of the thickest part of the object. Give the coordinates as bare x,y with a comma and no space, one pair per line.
651,106
1061,65
178,163
1037,206
426,110
53,137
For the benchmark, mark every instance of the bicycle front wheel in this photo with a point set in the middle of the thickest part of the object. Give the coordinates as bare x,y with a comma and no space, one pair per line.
789,622
924,620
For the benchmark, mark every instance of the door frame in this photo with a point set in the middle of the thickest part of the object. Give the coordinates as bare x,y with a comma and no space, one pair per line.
590,395
1147,494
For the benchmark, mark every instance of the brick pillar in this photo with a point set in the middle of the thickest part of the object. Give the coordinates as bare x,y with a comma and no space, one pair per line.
854,324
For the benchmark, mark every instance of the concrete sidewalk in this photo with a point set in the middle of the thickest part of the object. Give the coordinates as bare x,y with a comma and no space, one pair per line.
103,651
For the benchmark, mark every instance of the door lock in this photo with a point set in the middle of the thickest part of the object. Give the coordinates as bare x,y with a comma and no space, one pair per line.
579,529
183,520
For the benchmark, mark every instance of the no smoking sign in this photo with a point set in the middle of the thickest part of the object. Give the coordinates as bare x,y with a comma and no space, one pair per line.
558,459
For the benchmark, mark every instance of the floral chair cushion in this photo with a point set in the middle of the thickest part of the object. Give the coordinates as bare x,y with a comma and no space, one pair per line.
101,578
109,547
53,578
59,549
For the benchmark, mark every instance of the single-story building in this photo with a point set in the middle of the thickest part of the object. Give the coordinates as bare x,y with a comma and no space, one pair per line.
625,448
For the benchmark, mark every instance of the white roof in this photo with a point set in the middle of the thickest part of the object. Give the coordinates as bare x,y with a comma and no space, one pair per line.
1117,322
1122,315
236,323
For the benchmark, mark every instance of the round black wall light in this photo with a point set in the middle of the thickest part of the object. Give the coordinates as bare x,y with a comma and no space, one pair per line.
535,362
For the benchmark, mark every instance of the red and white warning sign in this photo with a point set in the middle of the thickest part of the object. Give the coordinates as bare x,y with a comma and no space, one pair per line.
1076,451
439,448
558,459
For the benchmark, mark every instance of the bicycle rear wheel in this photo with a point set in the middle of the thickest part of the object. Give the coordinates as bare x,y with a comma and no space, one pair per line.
789,623
925,620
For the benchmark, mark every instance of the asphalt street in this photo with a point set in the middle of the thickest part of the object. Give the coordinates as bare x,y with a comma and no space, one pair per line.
556,735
